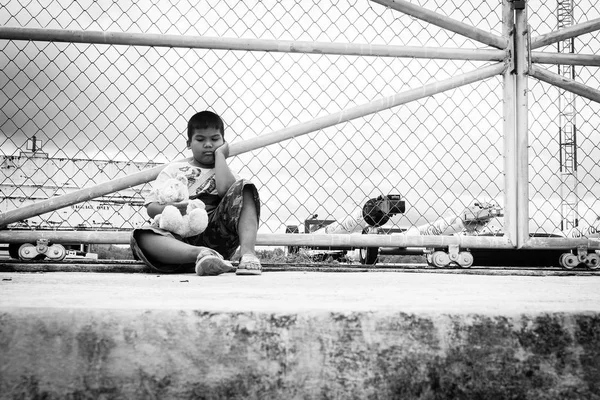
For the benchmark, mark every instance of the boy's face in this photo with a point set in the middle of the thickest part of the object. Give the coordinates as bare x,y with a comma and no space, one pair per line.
203,144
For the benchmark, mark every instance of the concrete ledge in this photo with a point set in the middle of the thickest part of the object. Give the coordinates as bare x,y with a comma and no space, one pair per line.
298,335
73,353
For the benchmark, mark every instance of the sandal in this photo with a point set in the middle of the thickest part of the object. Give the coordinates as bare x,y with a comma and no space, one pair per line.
249,265
210,263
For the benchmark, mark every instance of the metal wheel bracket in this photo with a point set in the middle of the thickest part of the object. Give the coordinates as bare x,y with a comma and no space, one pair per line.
453,252
591,260
582,253
571,260
43,248
442,259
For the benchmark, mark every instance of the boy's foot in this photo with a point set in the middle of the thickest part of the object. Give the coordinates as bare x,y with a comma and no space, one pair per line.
249,265
209,262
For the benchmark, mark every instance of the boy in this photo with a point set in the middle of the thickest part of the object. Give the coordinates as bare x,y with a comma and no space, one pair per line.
232,204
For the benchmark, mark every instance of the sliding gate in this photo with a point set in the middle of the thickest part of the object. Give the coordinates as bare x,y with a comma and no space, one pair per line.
326,105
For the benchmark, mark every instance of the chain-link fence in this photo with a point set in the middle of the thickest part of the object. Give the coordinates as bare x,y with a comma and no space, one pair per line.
74,115
564,134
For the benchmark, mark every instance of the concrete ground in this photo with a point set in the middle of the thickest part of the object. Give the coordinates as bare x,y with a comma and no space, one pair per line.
294,292
305,335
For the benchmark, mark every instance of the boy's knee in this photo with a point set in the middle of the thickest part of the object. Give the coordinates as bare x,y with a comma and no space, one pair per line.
142,238
248,191
250,195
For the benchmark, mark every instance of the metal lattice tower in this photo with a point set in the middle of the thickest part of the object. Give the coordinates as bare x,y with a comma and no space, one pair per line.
567,126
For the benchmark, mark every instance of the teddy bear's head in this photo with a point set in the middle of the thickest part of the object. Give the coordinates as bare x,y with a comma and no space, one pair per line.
173,190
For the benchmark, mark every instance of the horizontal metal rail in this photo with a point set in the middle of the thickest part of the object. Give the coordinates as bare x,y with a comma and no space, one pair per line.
336,241
446,22
589,60
85,194
269,45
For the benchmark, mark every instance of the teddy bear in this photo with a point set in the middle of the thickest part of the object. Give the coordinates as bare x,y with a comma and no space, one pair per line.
195,219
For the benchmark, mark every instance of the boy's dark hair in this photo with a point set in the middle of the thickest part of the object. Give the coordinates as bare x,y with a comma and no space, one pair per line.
205,120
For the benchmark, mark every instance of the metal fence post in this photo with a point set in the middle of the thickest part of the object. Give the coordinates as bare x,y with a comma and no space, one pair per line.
509,134
522,145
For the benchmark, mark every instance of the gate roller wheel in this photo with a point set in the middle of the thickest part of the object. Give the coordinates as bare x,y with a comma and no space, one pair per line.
56,252
27,251
593,261
368,255
440,259
465,259
568,260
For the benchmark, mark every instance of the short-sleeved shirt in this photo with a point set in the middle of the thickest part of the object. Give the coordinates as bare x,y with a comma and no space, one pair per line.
201,183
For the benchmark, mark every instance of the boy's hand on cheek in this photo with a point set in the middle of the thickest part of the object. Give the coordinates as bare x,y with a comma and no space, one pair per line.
223,149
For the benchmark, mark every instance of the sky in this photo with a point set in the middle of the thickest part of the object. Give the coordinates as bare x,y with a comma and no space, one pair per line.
440,153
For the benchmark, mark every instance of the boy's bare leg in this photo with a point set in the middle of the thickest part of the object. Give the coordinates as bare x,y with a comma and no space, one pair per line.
167,250
248,224
170,251
247,232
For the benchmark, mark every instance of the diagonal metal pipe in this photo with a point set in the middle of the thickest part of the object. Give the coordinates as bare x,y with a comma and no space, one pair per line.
446,22
565,83
566,33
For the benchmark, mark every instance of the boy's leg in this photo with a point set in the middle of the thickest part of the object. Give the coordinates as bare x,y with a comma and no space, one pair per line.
167,250
235,223
168,254
248,223
247,231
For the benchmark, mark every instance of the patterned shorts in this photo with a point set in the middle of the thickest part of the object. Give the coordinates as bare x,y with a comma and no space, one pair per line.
220,234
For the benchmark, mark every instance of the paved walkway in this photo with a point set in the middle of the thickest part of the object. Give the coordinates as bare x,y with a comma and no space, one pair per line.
294,292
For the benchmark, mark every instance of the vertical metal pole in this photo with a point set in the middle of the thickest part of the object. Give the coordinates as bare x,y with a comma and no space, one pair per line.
509,127
522,143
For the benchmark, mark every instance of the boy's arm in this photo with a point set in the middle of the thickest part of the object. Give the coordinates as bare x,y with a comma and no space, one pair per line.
155,208
224,178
